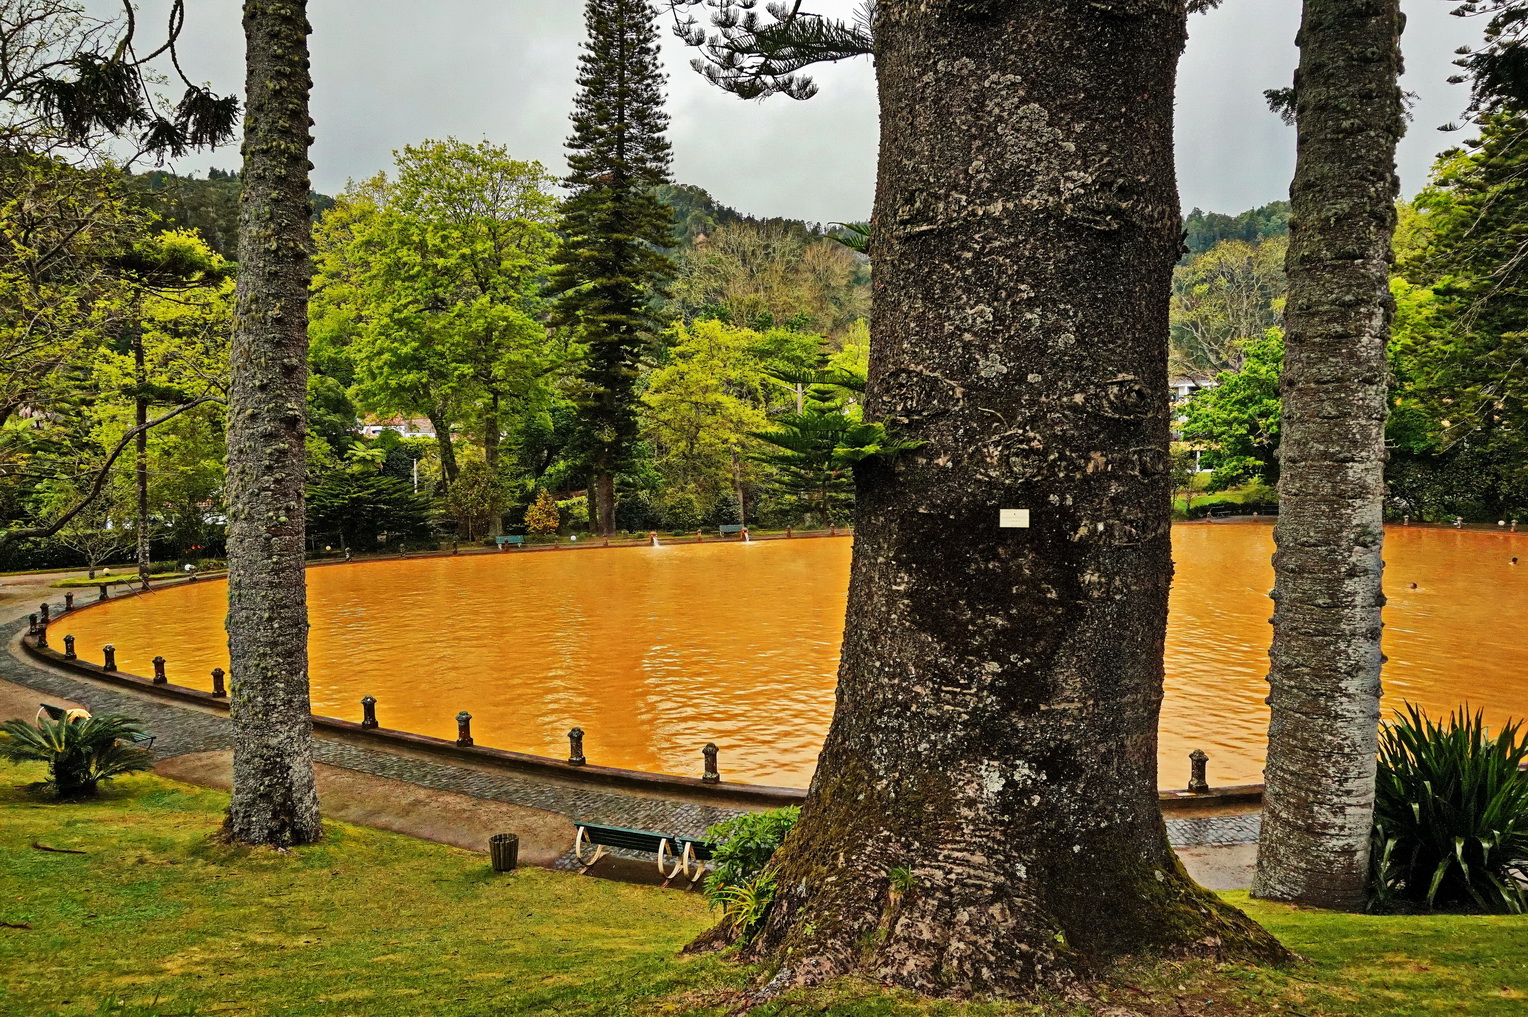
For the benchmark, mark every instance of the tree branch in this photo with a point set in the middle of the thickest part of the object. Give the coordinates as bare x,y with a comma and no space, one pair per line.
35,532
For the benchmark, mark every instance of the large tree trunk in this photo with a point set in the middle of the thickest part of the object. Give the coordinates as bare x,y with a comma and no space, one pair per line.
1326,658
141,451
995,734
604,502
274,800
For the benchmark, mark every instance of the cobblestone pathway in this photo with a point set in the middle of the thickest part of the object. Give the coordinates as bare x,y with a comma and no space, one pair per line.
180,730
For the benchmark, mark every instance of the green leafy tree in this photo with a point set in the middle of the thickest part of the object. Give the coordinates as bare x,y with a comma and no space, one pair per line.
700,412
1223,299
1236,422
610,269
428,283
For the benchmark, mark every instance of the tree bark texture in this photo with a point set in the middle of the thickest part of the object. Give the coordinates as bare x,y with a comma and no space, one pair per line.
141,451
274,799
984,815
604,502
1325,674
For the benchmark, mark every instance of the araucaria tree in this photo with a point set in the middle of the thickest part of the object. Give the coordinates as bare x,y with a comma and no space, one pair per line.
610,267
274,799
1325,673
984,813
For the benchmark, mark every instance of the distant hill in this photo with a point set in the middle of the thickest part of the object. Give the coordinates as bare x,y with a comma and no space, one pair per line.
209,205
1206,229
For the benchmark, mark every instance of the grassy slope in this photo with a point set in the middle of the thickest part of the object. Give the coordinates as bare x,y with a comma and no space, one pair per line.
374,923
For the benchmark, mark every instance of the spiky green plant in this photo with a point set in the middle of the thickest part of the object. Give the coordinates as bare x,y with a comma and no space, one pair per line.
80,753
746,905
1451,814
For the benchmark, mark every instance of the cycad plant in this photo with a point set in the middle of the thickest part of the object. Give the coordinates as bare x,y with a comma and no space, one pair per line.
80,753
1451,814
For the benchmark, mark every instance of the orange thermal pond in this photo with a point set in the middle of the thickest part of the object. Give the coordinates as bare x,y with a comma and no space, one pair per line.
656,651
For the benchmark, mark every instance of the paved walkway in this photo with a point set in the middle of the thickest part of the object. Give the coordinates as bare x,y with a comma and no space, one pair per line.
193,745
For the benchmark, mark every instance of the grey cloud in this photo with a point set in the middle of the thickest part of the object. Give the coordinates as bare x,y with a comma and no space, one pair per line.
392,72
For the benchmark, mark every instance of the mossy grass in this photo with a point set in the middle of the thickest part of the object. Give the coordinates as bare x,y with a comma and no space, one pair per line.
159,918
119,578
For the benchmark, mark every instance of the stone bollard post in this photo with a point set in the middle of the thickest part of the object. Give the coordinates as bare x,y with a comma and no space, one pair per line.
46,612
69,653
832,529
368,711
68,602
218,688
110,653
1514,526
1199,762
712,775
463,729
31,625
576,747
788,533
104,594
42,635
454,548
1405,520
159,678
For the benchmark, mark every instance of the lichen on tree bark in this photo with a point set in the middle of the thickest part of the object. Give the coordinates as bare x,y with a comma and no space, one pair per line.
274,800
995,731
1325,674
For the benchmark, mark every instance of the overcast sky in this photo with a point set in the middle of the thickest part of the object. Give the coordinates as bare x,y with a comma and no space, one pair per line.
392,72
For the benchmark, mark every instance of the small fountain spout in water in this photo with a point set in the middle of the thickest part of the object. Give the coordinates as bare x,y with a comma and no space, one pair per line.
746,538
652,535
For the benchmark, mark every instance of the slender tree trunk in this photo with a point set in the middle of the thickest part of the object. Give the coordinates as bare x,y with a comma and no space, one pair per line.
491,458
737,487
995,734
1325,674
447,448
274,800
141,453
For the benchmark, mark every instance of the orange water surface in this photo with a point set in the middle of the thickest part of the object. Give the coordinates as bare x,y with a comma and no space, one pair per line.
656,651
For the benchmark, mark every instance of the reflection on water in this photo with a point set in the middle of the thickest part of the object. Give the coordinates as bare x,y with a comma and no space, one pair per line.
656,651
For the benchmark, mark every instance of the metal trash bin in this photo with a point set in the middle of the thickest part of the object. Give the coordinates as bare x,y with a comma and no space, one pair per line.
504,851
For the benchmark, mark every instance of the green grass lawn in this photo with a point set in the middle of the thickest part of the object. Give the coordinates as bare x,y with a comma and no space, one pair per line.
371,923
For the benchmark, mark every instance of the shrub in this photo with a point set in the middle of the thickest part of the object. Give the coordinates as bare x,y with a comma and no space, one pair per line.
80,753
1451,814
542,518
743,845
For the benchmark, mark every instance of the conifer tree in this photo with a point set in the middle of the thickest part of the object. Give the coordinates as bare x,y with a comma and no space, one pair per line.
542,517
610,266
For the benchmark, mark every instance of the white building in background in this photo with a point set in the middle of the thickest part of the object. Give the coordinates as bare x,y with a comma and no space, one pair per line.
1182,388
408,427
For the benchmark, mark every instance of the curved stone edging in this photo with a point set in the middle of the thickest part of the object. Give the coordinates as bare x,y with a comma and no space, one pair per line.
721,793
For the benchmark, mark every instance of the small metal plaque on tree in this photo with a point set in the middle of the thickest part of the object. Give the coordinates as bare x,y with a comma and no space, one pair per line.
1013,519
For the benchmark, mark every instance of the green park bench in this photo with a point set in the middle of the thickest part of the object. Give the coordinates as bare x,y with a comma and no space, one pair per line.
143,740
676,855
514,540
731,529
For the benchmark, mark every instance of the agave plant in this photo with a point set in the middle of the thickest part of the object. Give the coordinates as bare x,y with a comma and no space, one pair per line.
1451,814
80,753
